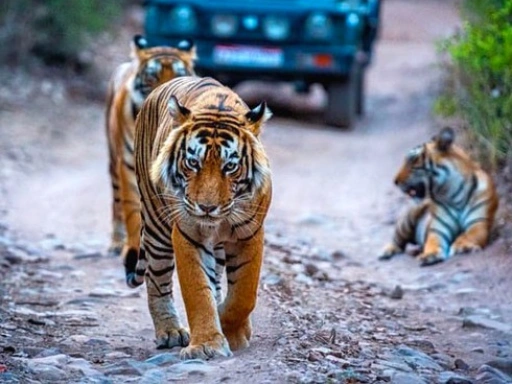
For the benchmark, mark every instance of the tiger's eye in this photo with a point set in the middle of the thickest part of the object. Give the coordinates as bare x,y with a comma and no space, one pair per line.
229,167
192,163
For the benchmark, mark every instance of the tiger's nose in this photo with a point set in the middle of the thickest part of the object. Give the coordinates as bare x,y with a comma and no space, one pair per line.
207,208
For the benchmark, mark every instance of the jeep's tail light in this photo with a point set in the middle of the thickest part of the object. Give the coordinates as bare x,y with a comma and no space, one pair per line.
316,60
319,26
276,27
323,60
182,18
224,25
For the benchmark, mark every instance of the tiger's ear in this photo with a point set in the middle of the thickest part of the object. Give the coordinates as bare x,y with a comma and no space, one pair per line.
140,41
444,139
257,116
138,44
188,46
179,113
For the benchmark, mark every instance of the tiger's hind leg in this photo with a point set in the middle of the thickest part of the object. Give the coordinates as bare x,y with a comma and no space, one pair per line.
473,239
405,231
478,224
243,265
169,331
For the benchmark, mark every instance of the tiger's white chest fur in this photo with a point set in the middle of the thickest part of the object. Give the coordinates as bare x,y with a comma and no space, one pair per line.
452,216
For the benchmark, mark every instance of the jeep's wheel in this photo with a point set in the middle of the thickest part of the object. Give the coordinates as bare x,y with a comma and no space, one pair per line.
342,102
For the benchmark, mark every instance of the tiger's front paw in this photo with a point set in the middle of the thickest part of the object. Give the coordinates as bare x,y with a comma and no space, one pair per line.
430,258
389,251
168,337
238,337
464,246
217,347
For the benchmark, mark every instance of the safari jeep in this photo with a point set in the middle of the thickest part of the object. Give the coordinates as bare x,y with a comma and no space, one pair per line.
302,41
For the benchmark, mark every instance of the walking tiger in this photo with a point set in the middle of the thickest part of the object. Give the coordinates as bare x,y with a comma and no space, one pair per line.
129,86
205,188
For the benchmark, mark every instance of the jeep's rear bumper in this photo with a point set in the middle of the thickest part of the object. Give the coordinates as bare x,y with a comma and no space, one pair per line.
238,62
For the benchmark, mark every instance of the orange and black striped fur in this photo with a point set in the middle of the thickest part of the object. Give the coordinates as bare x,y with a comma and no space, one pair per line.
205,186
458,202
129,86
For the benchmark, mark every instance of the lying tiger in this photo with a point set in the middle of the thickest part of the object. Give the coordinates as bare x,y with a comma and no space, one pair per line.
457,205
129,86
205,188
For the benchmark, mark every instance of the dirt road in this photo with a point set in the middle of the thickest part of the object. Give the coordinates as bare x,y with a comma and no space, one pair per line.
328,310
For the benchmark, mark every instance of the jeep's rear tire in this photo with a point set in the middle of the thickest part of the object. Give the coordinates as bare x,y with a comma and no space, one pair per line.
342,102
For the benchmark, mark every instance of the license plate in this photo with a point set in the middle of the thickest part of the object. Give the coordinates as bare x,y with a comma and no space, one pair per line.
248,56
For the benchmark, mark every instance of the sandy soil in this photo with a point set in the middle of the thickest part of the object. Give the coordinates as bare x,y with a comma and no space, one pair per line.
333,209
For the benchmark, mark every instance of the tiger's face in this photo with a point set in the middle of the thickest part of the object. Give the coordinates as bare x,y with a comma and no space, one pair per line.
413,176
213,172
157,65
432,167
213,163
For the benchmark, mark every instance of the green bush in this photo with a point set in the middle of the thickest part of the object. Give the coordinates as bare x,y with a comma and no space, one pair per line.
480,72
54,30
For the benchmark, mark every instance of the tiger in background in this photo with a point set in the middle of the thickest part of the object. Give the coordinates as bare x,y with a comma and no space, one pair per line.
129,86
457,202
205,186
